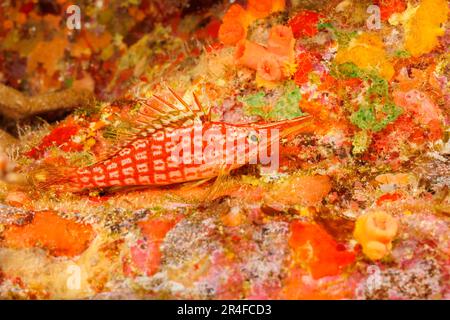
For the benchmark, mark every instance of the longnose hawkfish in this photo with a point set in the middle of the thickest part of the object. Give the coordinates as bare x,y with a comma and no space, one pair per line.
174,145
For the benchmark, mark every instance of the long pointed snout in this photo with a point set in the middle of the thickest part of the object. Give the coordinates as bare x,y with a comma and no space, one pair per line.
290,126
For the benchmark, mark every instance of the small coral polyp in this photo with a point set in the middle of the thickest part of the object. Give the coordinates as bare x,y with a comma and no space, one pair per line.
375,231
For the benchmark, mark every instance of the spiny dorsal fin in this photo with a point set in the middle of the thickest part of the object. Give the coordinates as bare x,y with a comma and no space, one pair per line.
152,118
180,100
206,114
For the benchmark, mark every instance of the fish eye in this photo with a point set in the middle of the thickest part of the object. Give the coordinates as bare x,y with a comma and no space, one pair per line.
253,137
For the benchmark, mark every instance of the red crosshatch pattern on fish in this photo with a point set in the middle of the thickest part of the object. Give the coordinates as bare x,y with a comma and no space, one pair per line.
165,154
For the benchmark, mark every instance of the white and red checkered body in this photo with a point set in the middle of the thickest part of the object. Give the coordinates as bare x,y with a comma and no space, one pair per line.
151,161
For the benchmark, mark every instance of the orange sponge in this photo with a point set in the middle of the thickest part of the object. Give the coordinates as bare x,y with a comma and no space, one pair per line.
262,8
269,68
234,25
281,41
375,232
249,54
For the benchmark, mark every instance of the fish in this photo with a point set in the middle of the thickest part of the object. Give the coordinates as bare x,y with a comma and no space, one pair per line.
176,144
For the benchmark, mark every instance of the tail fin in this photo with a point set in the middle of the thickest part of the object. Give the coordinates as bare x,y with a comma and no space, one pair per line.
47,176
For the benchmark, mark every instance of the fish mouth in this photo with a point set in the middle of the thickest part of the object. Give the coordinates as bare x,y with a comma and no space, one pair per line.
275,131
297,127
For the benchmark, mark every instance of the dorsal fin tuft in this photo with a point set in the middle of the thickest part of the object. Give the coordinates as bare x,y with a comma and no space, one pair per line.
151,118
206,114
